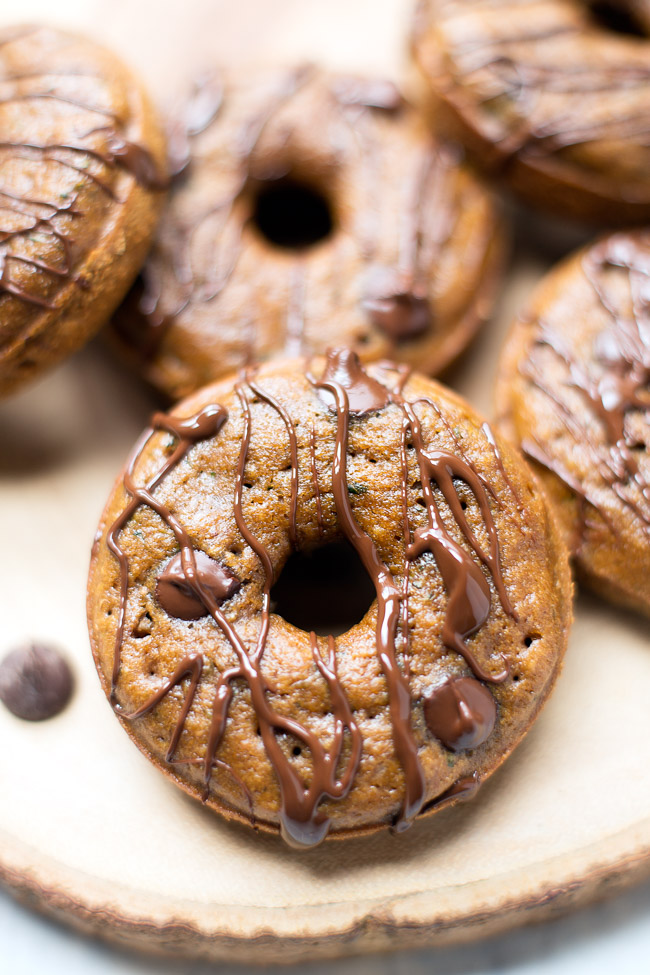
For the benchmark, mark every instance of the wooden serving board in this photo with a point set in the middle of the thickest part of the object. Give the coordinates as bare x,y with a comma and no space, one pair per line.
90,831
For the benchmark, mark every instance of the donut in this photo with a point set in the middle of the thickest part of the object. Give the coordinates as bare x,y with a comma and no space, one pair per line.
82,172
573,394
552,94
284,236
223,681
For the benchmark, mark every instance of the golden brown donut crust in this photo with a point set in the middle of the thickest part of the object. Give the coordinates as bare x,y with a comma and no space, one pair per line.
542,93
529,638
82,162
572,392
408,216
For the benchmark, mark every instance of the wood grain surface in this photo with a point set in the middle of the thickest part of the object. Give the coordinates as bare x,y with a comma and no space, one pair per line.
91,832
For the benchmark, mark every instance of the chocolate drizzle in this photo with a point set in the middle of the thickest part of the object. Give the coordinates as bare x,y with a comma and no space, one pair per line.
30,225
393,299
363,393
532,80
350,392
612,382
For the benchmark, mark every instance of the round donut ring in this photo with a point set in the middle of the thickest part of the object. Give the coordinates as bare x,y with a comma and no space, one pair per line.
269,723
545,93
312,210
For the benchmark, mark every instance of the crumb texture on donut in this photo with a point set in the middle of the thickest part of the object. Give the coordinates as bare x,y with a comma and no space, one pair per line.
284,236
573,393
310,733
555,94
82,167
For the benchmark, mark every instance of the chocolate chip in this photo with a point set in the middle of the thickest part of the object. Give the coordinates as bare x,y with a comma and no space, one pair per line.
394,307
177,596
35,682
461,713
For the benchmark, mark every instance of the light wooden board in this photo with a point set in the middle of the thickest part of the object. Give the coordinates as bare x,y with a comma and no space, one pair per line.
91,832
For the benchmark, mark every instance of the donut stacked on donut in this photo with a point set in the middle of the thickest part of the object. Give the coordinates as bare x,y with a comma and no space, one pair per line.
313,210
82,167
543,91
405,712
573,393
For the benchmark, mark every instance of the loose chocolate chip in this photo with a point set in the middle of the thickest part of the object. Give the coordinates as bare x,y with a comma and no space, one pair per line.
35,682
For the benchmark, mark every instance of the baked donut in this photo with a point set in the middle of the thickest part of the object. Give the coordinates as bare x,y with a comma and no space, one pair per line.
406,711
285,236
82,168
573,394
554,94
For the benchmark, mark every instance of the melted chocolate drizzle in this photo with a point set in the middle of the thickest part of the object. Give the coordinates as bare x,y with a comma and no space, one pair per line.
494,63
395,299
349,392
28,216
613,384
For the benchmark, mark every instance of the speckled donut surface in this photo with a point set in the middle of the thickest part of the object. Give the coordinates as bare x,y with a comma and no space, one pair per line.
407,264
573,394
82,164
555,94
406,711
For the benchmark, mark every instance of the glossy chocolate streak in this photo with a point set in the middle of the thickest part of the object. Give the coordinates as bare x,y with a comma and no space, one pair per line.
314,476
388,612
461,714
293,448
499,64
204,424
461,791
395,298
613,381
468,605
47,217
302,823
146,333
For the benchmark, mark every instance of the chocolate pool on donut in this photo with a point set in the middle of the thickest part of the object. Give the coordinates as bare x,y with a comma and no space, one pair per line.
409,706
311,210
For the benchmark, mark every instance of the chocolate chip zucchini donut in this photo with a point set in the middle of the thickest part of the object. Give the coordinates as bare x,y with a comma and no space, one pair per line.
81,164
312,210
306,733
573,393
554,94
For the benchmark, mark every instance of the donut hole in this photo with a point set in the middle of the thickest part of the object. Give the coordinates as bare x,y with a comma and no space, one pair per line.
614,17
291,214
326,590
